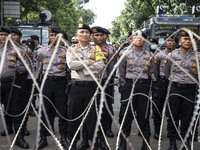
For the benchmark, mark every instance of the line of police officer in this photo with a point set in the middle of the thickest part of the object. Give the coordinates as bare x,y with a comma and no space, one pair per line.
136,60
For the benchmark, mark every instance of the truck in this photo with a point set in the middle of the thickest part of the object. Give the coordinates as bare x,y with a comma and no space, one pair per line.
158,26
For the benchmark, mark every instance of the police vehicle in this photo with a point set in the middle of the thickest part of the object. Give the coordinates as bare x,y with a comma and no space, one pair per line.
39,29
158,26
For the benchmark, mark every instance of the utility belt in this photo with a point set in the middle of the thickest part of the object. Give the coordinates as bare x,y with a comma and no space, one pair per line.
7,79
139,81
184,86
83,83
56,78
163,77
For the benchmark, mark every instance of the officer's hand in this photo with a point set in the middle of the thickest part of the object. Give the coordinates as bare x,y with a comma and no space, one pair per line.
74,59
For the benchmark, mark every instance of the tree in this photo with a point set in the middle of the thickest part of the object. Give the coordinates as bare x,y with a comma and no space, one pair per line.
138,11
66,14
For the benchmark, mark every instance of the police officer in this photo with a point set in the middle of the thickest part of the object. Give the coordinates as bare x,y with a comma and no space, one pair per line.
137,61
22,76
9,90
159,90
181,107
109,51
82,82
54,87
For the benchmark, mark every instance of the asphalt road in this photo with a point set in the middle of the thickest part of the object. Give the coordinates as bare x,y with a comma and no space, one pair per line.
135,140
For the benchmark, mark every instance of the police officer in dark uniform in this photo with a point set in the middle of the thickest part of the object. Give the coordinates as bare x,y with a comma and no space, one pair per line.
54,87
181,107
159,90
83,85
136,60
9,90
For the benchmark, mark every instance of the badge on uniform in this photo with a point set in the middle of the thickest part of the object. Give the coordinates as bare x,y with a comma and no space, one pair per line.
130,62
63,54
165,61
46,61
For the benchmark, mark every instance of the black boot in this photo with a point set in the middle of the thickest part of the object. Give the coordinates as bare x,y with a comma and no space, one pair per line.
63,141
3,133
144,144
21,142
43,142
187,144
122,145
74,147
109,133
26,132
172,144
84,145
102,144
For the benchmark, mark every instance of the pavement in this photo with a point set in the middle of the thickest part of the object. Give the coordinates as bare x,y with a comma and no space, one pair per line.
134,139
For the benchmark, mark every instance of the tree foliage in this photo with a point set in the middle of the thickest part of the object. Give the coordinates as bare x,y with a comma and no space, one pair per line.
138,11
66,14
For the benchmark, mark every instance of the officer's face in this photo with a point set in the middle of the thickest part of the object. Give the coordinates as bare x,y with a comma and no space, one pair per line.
185,42
170,43
139,42
16,37
130,40
3,36
52,36
98,38
83,35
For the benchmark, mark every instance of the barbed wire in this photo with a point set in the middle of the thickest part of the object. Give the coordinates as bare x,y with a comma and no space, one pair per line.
99,109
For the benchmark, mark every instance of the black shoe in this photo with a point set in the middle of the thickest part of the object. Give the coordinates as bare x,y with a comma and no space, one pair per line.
172,147
172,144
42,143
109,133
188,146
102,145
21,143
3,133
145,147
156,136
26,132
31,113
74,146
64,142
122,145
84,145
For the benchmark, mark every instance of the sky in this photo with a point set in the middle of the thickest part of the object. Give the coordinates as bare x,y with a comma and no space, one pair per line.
106,11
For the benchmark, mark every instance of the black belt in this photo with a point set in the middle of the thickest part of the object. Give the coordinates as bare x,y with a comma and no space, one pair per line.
7,79
176,84
139,81
83,83
55,78
162,77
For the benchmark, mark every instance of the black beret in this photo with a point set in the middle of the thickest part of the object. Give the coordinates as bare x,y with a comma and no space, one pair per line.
153,40
174,37
106,31
15,30
5,29
64,34
97,29
53,29
84,26
34,37
184,34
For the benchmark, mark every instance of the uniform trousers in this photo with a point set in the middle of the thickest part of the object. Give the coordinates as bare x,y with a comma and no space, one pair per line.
140,105
54,89
159,91
12,103
79,97
180,108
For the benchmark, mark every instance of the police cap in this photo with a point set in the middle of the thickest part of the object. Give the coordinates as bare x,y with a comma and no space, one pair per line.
5,29
34,37
97,29
15,30
106,31
53,29
174,37
84,26
153,40
64,34
184,34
